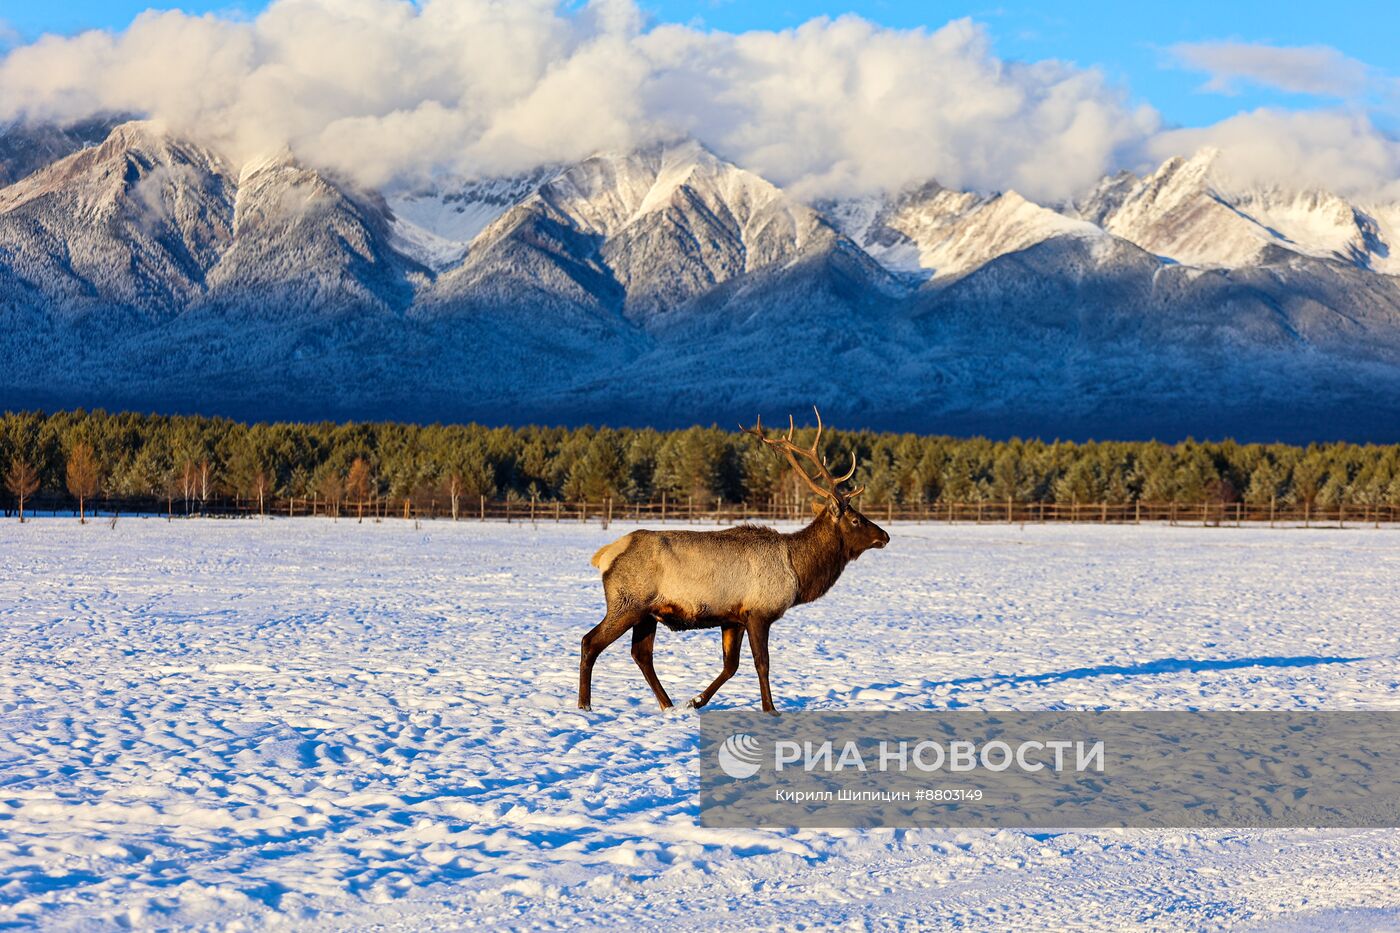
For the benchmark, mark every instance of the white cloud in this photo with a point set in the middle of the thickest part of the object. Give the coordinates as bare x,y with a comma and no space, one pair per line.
393,92
1312,69
1340,152
390,90
843,105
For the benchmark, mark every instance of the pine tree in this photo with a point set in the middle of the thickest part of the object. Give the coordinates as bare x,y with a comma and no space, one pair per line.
1008,477
601,473
1196,478
1081,483
1306,480
1264,483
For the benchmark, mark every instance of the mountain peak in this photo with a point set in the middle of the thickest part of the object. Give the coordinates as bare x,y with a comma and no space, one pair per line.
1190,211
137,133
934,232
154,142
28,146
141,218
608,192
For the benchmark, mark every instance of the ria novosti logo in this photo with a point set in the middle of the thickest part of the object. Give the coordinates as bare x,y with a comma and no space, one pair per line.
739,756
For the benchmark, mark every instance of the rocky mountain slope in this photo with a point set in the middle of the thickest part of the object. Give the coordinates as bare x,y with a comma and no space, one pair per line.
668,286
1184,211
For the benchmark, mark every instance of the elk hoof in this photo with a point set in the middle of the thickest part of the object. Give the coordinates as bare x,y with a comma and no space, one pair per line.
774,713
696,702
585,708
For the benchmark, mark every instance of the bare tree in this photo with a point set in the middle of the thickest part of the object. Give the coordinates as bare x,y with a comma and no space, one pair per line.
357,485
331,488
170,487
454,492
22,481
83,476
206,480
259,486
189,482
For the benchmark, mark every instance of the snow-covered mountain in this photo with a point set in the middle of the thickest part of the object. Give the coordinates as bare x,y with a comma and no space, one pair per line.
934,232
436,225
132,225
641,232
301,243
666,285
1185,211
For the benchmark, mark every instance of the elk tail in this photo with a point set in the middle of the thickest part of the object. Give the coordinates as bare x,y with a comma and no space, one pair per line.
609,553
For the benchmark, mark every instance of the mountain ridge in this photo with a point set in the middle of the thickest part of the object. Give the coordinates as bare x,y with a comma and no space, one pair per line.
666,283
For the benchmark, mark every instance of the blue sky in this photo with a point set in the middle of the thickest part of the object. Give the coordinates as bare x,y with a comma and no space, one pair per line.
1130,42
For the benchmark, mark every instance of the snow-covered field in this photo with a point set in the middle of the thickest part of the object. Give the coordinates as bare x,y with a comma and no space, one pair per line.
281,722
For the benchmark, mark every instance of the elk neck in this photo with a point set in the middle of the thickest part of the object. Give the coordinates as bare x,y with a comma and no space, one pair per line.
818,556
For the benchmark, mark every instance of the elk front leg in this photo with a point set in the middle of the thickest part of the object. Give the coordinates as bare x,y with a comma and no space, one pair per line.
643,638
599,637
731,643
758,646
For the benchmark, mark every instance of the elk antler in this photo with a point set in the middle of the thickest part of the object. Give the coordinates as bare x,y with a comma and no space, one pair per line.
789,449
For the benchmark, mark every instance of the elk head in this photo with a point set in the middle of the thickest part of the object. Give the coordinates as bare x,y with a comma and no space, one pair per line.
856,533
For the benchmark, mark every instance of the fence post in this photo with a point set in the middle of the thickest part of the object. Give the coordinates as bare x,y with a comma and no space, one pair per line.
1273,504
663,508
609,503
558,508
481,504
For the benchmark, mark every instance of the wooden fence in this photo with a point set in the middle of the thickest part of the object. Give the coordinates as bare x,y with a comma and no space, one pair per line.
710,511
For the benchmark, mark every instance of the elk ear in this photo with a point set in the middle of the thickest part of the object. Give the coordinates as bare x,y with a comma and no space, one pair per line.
818,506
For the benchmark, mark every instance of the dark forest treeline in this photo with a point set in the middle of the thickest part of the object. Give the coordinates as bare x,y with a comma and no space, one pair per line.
189,458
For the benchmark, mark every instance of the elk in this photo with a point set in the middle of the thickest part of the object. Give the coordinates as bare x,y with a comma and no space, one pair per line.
740,579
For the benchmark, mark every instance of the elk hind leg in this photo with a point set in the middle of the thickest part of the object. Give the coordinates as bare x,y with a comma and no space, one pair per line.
598,638
731,643
643,639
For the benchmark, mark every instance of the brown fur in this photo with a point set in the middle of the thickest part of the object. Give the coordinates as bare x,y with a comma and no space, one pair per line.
739,579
